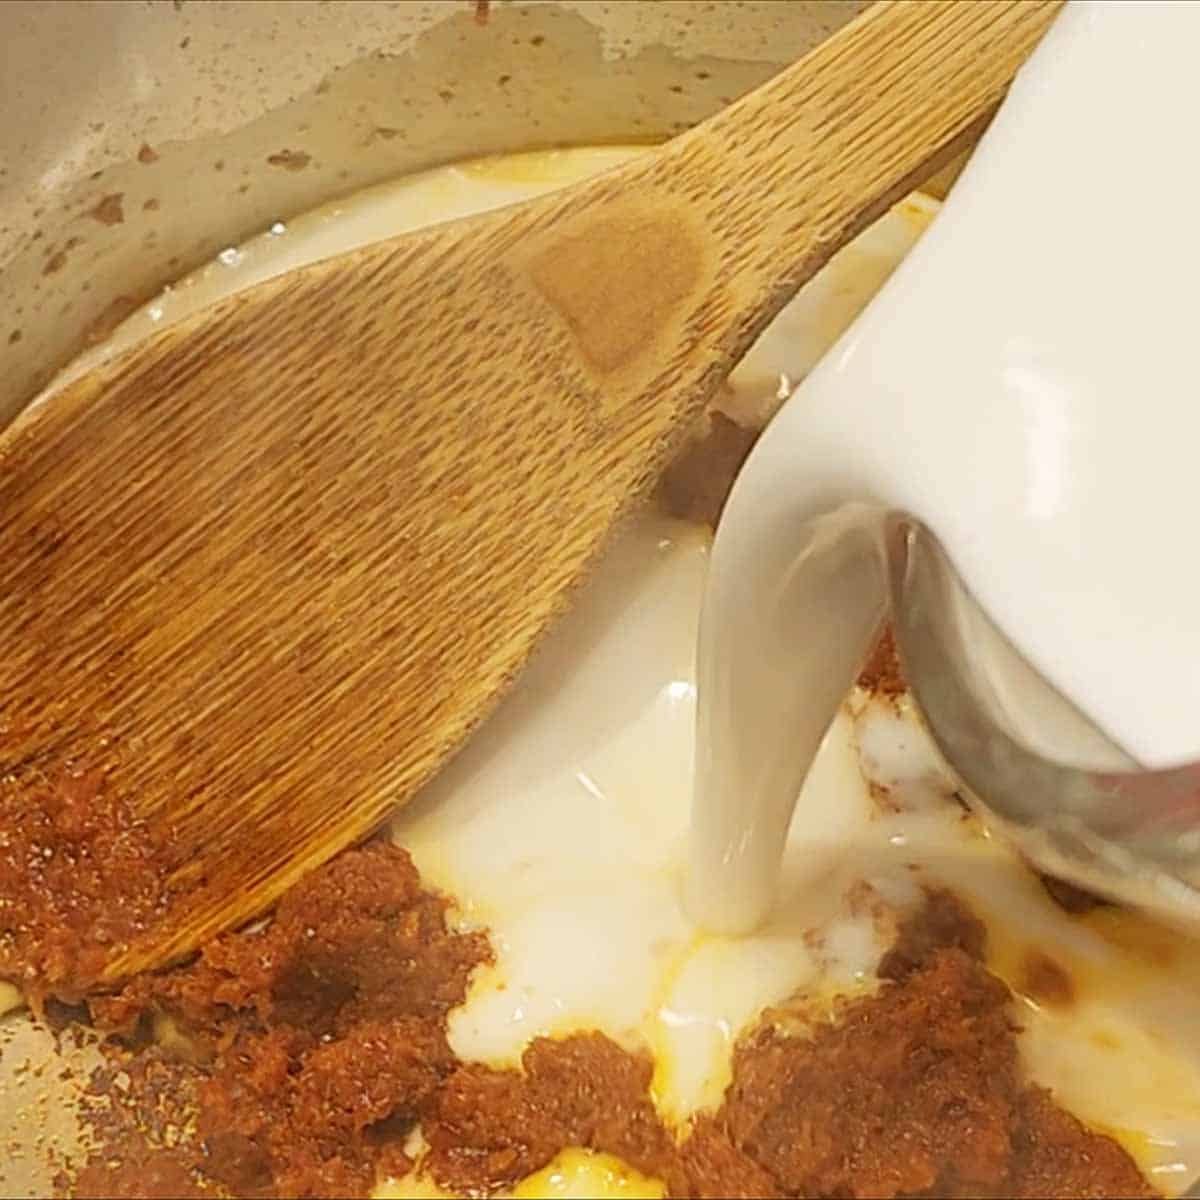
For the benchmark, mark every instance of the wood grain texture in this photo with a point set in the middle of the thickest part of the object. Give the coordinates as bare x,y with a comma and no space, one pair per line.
274,564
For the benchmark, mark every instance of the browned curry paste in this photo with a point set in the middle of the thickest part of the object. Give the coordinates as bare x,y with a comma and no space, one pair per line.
316,1044
296,1058
80,876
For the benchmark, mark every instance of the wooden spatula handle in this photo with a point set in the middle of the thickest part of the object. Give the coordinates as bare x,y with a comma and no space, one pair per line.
736,214
862,115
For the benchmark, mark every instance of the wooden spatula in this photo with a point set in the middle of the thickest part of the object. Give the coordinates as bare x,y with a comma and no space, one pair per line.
287,554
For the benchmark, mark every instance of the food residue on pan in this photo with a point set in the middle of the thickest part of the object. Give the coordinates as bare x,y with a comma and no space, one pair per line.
109,210
291,160
502,995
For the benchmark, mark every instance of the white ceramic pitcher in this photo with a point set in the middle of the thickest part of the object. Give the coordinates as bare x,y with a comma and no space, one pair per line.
1002,449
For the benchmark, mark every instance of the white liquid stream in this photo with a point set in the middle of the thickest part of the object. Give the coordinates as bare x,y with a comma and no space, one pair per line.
1025,385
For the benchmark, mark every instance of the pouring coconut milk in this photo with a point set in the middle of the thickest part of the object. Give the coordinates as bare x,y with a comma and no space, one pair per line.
1019,395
